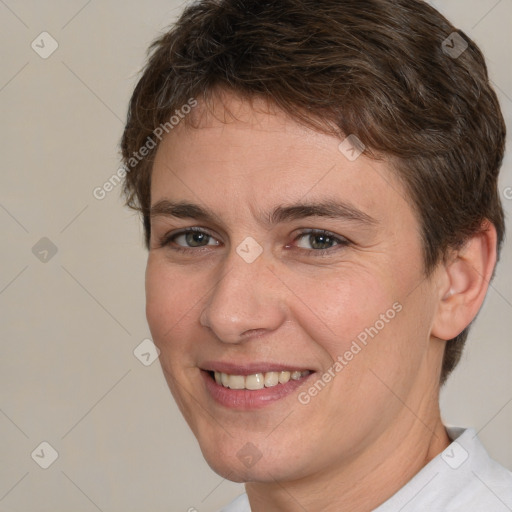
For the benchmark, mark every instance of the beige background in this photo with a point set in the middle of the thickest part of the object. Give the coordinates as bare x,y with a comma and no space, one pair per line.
69,326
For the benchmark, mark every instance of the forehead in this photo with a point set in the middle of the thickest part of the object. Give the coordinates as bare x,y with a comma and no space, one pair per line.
237,154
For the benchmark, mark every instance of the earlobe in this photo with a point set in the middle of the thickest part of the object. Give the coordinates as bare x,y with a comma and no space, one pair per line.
464,279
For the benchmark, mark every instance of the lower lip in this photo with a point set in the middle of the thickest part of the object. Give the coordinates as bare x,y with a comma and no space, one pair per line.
245,399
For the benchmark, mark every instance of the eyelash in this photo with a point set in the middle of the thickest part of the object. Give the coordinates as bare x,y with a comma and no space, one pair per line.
167,239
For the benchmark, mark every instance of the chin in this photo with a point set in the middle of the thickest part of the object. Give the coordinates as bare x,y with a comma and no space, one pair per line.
226,471
250,460
260,472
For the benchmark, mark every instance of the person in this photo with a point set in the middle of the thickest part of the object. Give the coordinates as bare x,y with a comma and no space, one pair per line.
317,181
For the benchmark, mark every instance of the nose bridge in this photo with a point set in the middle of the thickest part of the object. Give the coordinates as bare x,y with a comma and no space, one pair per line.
243,299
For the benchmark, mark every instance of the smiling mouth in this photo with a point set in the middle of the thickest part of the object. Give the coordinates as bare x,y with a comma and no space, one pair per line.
257,381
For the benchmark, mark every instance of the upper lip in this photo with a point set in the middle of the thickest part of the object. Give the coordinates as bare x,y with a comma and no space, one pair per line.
250,368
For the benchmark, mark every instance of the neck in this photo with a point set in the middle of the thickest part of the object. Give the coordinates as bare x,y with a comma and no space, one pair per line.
363,484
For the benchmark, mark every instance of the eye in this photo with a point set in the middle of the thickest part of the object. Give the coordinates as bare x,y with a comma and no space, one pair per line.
319,240
189,239
315,241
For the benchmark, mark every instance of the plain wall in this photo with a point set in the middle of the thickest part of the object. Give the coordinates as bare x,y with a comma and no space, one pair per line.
68,375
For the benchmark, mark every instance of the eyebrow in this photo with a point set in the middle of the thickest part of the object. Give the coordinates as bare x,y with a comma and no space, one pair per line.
327,208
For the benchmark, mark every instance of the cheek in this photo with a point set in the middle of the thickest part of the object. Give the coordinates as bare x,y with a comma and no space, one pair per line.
170,300
342,309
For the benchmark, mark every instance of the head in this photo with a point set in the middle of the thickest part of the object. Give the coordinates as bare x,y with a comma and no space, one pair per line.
263,94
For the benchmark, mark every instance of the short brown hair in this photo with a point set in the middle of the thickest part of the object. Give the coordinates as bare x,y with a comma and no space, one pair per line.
378,69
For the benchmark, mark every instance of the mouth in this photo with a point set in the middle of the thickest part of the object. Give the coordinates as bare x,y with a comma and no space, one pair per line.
257,381
253,387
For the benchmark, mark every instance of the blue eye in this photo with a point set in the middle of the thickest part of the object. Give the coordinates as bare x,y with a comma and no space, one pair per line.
319,240
193,239
189,239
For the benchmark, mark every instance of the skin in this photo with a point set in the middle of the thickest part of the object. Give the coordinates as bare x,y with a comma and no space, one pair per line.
377,423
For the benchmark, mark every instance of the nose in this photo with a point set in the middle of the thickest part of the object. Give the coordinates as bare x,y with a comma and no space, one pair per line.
245,301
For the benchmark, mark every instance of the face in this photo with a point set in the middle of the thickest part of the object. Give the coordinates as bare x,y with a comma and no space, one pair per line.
286,293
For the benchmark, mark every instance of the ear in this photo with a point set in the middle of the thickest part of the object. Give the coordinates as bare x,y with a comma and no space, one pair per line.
463,282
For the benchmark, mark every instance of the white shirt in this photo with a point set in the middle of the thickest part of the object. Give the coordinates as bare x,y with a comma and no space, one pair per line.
463,478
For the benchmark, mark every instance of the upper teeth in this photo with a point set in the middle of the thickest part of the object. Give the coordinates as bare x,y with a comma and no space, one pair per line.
257,380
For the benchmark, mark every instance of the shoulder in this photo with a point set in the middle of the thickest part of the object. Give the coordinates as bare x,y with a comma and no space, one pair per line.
485,484
463,478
